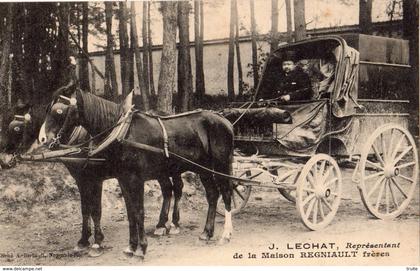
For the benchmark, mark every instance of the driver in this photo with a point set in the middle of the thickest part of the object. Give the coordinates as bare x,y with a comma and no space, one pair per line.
293,84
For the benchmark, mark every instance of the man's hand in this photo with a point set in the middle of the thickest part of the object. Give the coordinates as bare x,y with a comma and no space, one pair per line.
285,98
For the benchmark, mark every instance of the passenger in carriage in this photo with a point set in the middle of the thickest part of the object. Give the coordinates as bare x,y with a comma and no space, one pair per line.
293,84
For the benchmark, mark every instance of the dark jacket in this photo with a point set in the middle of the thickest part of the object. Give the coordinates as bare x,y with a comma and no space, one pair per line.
296,84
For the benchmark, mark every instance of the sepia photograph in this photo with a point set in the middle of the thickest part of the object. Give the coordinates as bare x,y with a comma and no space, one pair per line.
225,133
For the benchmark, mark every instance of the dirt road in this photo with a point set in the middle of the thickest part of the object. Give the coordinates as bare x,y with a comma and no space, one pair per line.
46,232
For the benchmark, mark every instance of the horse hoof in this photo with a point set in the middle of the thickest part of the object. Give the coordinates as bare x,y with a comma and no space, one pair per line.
160,231
224,240
174,230
139,253
204,236
96,251
128,251
80,248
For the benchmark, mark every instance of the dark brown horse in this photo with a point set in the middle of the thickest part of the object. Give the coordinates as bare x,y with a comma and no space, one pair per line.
19,136
203,137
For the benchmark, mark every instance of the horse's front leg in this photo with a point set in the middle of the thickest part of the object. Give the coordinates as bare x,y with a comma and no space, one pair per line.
177,188
96,213
166,188
83,185
132,226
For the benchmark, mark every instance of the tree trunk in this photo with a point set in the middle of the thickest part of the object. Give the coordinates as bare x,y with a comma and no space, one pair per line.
289,20
231,53
130,59
111,85
168,62
124,54
139,65
255,71
274,42
63,52
198,41
149,48
365,16
238,53
4,65
145,34
84,64
184,58
299,16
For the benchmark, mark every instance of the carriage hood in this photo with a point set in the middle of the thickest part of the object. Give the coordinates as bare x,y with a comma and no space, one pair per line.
344,91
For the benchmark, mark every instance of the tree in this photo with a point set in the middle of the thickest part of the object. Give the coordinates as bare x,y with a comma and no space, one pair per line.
84,68
139,65
198,40
254,45
145,35
231,53
168,62
4,65
111,85
289,20
149,49
274,42
124,49
238,53
299,16
184,58
365,16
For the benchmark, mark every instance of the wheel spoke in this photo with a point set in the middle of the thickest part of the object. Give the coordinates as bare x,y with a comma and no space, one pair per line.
386,196
310,207
391,141
327,174
311,180
402,154
235,203
330,182
399,187
375,186
322,169
321,210
378,155
315,214
373,175
406,178
384,151
308,198
397,147
392,195
309,190
406,165
374,165
326,203
239,193
378,200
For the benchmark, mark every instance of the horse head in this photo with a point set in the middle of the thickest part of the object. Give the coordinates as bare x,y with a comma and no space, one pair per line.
61,118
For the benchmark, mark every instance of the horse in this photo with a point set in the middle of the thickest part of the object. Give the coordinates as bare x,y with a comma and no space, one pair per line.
20,136
204,137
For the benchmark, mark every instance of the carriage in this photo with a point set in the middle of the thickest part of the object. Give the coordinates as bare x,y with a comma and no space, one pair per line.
360,119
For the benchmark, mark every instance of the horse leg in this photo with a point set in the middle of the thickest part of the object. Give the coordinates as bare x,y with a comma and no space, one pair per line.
226,189
132,226
142,245
83,185
166,187
96,212
212,195
177,188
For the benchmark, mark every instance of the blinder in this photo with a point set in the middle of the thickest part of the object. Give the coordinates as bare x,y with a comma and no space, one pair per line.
19,123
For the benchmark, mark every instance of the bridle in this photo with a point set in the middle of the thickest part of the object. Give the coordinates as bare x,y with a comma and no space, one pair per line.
26,120
71,103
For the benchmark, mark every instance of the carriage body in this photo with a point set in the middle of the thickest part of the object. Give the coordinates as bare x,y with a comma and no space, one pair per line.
380,96
361,118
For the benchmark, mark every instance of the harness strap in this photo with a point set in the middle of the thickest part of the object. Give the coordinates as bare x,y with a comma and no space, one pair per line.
165,138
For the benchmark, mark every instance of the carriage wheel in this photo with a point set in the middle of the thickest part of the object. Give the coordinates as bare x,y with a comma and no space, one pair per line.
318,191
240,198
388,171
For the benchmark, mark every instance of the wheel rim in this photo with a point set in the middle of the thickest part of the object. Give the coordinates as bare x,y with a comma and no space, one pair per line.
389,171
318,191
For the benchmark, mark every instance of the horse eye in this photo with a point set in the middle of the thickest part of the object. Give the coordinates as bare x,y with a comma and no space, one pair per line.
16,129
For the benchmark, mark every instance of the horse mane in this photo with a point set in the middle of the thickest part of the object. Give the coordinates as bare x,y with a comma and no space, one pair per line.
98,113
